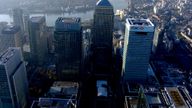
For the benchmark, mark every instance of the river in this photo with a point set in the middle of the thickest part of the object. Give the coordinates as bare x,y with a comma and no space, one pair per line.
51,18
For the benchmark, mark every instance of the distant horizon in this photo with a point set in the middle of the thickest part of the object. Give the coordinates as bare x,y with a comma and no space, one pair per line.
51,17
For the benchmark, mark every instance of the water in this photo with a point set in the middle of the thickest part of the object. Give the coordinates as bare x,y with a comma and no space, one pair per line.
51,18
6,18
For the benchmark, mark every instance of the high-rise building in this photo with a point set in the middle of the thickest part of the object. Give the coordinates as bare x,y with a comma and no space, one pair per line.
103,24
26,23
130,5
102,39
11,37
68,46
18,18
2,26
13,79
38,40
137,49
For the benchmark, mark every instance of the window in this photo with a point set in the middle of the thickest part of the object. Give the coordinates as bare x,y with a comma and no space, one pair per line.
141,33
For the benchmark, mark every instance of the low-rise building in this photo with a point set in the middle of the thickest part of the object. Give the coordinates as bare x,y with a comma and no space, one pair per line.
60,95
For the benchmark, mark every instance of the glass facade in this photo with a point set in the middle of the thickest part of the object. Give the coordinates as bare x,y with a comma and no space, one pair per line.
137,50
68,46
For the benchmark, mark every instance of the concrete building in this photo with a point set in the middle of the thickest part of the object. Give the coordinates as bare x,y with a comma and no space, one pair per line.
13,79
38,40
104,94
62,94
68,46
103,24
18,18
137,49
11,37
2,26
54,103
63,89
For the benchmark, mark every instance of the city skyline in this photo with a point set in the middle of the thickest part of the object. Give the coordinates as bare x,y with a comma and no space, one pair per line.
96,54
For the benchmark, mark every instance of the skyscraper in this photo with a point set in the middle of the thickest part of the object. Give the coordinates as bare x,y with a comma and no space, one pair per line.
137,49
103,24
11,37
68,46
26,23
13,79
102,38
38,40
18,18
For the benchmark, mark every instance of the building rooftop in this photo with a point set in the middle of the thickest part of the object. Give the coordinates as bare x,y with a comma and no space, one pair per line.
65,89
4,57
102,88
68,20
140,25
54,103
68,24
11,29
131,101
103,3
37,19
176,97
154,98
141,22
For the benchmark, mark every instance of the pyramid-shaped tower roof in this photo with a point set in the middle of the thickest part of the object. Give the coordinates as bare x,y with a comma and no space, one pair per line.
103,3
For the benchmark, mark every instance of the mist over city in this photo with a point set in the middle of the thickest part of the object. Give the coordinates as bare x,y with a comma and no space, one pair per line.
95,53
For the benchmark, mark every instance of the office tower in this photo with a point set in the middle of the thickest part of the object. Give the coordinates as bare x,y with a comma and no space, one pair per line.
102,38
50,38
130,5
137,48
103,24
2,26
11,37
26,23
13,79
38,40
18,18
68,46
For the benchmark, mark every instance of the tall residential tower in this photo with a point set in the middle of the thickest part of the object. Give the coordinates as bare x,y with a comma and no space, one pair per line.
137,49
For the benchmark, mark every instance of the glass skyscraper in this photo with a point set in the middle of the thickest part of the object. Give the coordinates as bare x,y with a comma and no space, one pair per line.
38,40
68,47
13,79
11,37
18,18
137,49
103,24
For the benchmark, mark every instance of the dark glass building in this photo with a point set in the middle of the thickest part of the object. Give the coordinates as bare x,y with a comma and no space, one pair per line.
103,24
11,37
68,47
13,79
38,40
18,18
102,38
